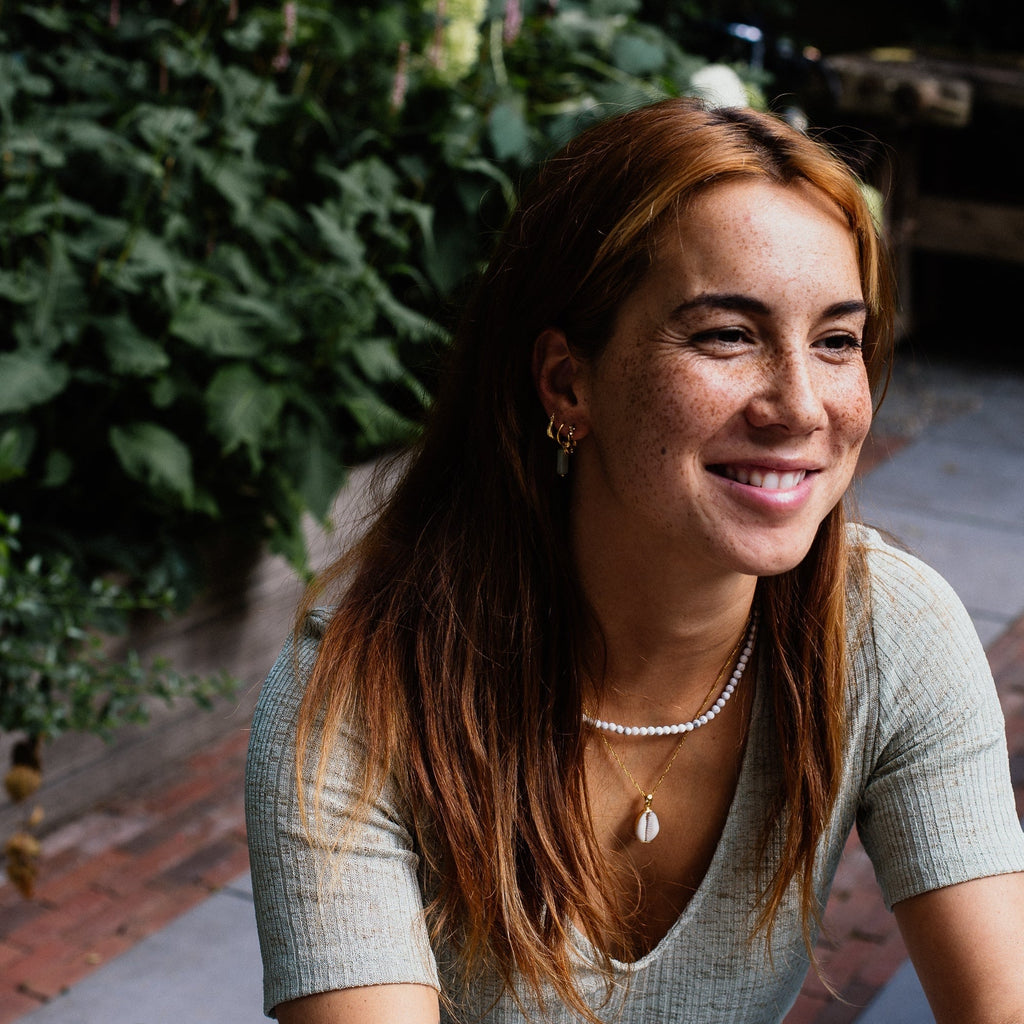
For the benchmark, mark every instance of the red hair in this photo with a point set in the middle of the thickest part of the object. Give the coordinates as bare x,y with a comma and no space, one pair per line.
457,645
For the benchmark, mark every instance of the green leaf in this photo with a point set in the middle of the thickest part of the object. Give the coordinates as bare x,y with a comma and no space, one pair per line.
508,131
156,457
53,18
28,379
491,170
151,256
242,409
313,465
273,316
163,392
636,55
131,353
166,128
213,331
16,444
28,143
378,360
612,8
381,424
58,469
19,288
341,242
239,186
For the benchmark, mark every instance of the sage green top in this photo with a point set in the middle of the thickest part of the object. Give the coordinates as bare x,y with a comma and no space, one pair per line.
926,785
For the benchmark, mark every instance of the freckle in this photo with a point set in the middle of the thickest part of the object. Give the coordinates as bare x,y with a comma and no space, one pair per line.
663,450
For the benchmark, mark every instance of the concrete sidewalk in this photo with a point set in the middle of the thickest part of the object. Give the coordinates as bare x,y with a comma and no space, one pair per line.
951,485
203,968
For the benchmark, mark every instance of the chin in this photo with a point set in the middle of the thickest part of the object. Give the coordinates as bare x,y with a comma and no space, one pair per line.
773,561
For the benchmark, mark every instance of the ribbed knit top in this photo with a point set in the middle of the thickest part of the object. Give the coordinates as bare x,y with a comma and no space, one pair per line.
926,785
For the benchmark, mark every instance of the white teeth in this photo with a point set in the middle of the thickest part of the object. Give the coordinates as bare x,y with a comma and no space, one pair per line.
769,480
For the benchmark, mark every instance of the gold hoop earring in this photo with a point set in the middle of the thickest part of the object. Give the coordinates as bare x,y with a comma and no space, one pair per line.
563,437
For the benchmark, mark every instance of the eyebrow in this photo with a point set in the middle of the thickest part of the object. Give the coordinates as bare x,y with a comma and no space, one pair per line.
739,303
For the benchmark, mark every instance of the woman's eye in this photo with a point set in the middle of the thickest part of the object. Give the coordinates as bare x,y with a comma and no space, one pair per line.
722,336
840,342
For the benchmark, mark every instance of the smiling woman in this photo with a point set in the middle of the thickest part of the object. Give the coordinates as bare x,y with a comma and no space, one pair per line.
609,679
736,363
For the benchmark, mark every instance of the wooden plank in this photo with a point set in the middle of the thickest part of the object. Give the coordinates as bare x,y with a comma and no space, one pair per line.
989,230
901,91
904,84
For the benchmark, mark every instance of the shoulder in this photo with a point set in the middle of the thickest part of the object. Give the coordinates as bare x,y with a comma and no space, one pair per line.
898,579
914,650
286,682
279,705
904,608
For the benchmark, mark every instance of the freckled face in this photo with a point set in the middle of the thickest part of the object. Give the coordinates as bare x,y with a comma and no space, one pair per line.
723,420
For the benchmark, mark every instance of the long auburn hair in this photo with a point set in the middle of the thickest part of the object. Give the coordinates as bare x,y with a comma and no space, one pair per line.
459,646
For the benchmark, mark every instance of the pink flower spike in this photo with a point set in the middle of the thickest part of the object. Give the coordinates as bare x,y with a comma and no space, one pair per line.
291,13
513,22
401,83
281,59
435,56
114,18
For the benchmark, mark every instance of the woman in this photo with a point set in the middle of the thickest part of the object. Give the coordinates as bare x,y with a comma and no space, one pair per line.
610,679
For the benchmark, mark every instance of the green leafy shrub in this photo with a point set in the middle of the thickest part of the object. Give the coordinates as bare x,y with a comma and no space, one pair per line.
232,233
56,674
232,237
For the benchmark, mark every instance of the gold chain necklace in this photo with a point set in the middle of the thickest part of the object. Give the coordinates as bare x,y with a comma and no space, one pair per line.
647,824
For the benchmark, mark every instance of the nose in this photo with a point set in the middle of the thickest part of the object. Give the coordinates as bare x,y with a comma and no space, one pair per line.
790,397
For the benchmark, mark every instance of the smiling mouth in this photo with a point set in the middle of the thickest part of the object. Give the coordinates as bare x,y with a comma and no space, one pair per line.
769,479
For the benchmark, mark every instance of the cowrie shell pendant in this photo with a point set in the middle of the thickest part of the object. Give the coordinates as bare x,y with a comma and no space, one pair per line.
647,824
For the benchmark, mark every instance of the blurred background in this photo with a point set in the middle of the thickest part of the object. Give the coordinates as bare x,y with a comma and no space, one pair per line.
234,239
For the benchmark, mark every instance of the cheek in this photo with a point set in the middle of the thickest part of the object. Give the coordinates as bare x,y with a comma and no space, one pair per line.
683,405
852,415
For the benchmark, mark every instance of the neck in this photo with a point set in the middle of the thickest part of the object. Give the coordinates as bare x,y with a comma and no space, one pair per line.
667,632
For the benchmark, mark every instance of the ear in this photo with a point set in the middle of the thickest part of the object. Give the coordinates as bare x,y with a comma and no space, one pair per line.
560,376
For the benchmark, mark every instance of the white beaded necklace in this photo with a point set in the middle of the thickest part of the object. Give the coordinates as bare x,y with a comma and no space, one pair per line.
647,824
694,723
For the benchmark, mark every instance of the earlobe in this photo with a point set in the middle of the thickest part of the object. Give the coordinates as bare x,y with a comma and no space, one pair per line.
557,377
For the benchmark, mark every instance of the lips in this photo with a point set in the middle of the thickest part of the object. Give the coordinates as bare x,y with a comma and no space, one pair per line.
765,478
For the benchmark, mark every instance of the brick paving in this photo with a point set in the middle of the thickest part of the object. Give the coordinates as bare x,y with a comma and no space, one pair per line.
120,873
129,867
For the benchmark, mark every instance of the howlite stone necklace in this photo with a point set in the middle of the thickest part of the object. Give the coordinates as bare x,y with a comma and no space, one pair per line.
647,824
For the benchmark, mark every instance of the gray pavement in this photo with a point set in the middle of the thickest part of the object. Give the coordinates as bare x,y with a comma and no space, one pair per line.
954,494
203,968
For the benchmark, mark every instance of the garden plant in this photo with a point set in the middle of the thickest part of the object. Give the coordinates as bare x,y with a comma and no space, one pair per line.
233,235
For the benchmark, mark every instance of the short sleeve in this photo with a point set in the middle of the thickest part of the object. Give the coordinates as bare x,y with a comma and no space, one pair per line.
327,919
938,806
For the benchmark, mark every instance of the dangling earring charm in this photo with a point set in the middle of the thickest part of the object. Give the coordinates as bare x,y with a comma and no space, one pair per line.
566,444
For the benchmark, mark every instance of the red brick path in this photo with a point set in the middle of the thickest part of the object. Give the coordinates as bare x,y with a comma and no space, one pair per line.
120,873
128,868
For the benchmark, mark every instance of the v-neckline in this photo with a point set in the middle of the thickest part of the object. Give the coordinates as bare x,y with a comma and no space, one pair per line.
740,795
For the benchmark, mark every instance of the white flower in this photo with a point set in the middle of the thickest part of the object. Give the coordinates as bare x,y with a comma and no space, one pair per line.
719,86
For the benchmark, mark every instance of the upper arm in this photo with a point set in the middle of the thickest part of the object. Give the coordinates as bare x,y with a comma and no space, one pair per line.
967,945
338,899
369,1004
936,807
